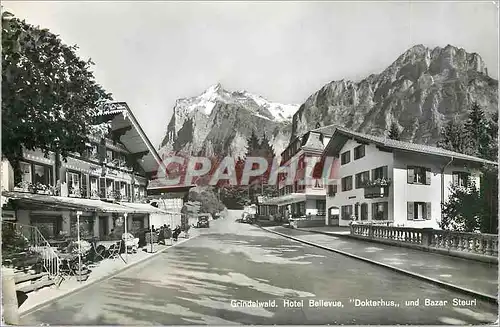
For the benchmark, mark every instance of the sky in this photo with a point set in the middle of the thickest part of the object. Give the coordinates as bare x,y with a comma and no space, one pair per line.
149,54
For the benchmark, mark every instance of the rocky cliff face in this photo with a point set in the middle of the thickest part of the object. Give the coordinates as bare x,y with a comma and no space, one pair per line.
219,122
420,91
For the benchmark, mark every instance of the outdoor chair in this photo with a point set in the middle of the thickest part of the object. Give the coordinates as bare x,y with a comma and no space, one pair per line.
131,243
114,250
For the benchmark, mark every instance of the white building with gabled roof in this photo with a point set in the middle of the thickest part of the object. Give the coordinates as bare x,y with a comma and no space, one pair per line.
388,181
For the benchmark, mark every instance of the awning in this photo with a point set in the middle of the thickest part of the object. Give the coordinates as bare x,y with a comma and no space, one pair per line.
146,208
291,198
65,203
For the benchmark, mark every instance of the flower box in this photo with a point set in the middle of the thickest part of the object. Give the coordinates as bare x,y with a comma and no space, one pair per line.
381,182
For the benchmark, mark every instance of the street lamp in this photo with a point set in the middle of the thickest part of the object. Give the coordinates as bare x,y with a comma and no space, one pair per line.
126,237
78,214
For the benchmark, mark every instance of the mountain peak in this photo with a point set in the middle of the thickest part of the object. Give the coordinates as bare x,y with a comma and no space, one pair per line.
213,89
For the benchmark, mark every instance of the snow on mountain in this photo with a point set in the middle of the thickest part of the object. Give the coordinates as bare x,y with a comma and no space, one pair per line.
280,112
211,121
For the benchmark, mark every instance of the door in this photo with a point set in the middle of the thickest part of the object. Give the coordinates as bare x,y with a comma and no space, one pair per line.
333,216
103,226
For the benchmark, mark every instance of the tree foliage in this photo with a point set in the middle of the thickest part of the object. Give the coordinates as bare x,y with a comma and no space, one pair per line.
394,132
237,196
461,212
472,209
207,196
49,95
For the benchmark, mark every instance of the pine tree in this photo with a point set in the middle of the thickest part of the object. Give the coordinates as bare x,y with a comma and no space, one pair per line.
454,137
477,131
478,136
394,132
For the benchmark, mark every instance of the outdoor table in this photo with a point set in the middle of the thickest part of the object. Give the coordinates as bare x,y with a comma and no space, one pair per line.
58,243
107,245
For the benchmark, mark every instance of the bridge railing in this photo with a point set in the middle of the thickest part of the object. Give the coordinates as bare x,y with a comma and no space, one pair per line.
443,241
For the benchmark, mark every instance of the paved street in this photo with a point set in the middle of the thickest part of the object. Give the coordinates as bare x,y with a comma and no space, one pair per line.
194,283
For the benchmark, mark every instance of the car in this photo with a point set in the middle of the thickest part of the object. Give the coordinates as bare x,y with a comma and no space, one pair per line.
203,221
246,218
216,216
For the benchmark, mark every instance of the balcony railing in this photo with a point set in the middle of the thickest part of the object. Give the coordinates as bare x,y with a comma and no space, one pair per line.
379,182
378,188
36,188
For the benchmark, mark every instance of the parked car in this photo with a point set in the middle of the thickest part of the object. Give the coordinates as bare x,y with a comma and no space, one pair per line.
203,221
245,218
216,216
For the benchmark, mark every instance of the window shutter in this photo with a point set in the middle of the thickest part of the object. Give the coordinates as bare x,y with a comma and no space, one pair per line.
411,175
84,185
385,172
335,188
362,152
374,174
349,156
410,210
102,187
428,211
63,175
428,175
454,178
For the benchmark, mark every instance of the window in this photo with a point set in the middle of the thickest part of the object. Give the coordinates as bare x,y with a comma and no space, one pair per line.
332,190
461,178
94,190
318,183
86,226
84,184
123,189
321,207
25,172
74,184
346,212
364,211
92,152
362,178
359,152
419,211
42,174
109,155
380,173
419,175
109,188
347,183
117,189
49,226
142,191
102,187
380,211
302,208
345,157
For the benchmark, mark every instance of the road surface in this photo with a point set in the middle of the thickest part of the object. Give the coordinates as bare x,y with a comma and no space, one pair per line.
206,280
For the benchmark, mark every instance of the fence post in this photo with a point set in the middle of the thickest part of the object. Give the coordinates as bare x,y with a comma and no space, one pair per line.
370,231
9,297
427,236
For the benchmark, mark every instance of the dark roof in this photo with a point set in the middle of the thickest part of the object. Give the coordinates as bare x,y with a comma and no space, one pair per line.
312,141
326,130
403,146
